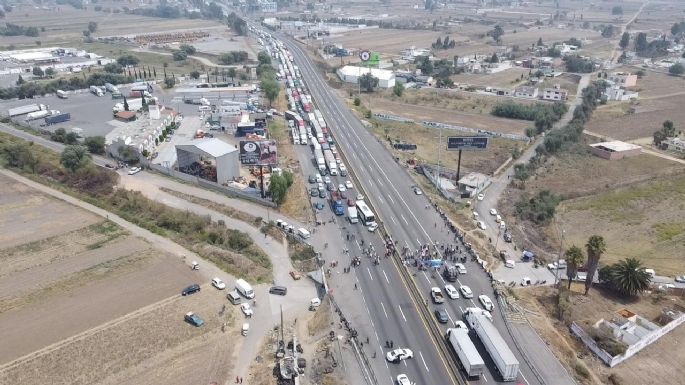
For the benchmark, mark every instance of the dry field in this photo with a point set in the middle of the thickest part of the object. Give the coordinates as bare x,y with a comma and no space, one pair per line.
505,79
458,108
649,367
86,292
388,42
583,175
645,221
658,14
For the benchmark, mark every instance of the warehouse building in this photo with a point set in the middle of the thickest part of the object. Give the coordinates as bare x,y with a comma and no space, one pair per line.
210,159
351,74
615,150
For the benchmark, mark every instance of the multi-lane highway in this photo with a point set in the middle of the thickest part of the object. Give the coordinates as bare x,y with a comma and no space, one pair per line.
412,222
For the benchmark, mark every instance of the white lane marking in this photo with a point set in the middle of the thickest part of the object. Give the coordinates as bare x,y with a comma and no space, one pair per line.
449,316
474,304
424,362
405,362
485,378
370,276
386,313
401,312
427,280
461,310
386,277
393,219
391,200
524,377
404,219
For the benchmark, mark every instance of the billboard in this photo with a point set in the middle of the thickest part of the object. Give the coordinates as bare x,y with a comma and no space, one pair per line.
467,143
258,153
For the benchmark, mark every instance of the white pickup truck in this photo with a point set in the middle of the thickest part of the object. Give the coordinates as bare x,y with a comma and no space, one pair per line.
436,295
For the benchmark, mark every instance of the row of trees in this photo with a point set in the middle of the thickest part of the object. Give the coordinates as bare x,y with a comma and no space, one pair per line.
575,63
443,44
233,57
183,51
18,30
267,76
279,185
666,131
236,24
31,89
544,115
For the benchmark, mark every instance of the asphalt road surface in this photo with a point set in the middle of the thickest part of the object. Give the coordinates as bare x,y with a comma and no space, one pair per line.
412,222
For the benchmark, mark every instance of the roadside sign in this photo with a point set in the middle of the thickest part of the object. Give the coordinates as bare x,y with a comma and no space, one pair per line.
467,143
365,55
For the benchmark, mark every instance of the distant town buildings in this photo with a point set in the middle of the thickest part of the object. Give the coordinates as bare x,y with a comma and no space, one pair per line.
351,74
623,79
555,93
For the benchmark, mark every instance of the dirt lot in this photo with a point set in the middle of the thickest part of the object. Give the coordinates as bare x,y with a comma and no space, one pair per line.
510,78
86,294
650,366
580,175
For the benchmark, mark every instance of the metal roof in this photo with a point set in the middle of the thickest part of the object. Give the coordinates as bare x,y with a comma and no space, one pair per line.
213,147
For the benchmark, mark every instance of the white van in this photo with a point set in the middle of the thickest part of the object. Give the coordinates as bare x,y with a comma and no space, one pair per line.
244,288
204,108
303,233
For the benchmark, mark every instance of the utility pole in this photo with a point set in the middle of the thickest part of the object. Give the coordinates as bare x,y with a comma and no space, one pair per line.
561,248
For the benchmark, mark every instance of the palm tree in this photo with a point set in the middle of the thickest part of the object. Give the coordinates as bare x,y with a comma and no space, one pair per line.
574,259
595,247
629,277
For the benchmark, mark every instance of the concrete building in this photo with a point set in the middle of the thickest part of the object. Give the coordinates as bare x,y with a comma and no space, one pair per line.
211,159
526,92
473,183
615,150
351,74
137,136
617,93
623,79
556,93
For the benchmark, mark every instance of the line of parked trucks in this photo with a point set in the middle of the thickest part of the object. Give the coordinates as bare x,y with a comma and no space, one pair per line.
39,111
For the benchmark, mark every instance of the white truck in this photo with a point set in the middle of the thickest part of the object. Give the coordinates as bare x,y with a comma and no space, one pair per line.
320,160
133,104
244,288
330,162
39,115
352,215
26,109
469,357
97,91
436,295
502,356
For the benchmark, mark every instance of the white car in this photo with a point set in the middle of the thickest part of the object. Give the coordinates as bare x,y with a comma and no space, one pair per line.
509,263
327,179
218,283
481,197
342,187
348,184
498,218
451,291
493,212
475,215
372,227
466,291
398,355
418,191
680,279
360,197
486,302
481,225
402,379
134,170
319,179
246,309
460,325
461,269
502,225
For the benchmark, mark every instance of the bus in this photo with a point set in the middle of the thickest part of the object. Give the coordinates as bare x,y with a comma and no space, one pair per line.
365,214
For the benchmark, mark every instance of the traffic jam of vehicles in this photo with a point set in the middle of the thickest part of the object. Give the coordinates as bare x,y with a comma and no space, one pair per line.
444,263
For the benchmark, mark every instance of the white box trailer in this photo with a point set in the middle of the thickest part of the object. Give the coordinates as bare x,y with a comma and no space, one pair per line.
320,160
469,357
330,162
26,109
352,215
244,288
505,361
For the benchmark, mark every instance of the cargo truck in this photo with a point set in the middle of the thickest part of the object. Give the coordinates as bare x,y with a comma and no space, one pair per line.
37,115
330,162
97,91
352,215
320,160
337,203
57,118
502,356
111,88
469,358
26,109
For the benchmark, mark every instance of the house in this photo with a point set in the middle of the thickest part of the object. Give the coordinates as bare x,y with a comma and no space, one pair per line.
615,150
623,79
566,49
675,144
473,183
620,94
556,93
526,92
351,74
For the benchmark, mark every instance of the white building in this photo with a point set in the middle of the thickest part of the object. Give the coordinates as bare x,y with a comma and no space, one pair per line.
526,92
351,74
617,93
268,6
556,93
223,157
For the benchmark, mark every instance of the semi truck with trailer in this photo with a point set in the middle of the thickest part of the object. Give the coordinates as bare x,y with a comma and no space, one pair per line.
38,115
330,162
57,118
320,160
16,111
469,357
504,359
97,91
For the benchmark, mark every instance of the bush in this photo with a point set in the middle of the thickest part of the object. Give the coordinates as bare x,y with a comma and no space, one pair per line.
179,55
544,115
539,209
233,57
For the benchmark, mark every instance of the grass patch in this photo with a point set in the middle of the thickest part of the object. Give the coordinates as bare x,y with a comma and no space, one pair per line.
668,231
299,251
226,210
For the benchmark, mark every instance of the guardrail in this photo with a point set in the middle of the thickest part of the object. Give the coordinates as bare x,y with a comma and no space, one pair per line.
367,372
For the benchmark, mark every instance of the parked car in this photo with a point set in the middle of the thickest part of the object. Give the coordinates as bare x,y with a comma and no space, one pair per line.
322,194
507,237
680,279
418,191
134,170
246,309
218,283
193,319
493,212
194,288
314,192
296,275
481,225
481,197
312,179
278,290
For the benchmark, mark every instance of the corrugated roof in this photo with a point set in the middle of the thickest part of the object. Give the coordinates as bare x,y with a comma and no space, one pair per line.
213,147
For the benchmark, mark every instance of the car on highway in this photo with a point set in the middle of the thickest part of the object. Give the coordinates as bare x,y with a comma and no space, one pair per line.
348,184
351,202
402,379
418,191
372,227
451,291
441,316
342,187
194,288
680,279
486,302
343,194
314,192
398,355
134,170
461,269
331,187
480,197
466,291
493,212
320,186
481,225
193,319
312,179
318,178
218,283
322,194
458,324
246,309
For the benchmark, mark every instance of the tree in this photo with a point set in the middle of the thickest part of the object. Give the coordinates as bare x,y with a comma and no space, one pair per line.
494,58
497,33
424,64
263,58
49,72
628,277
595,247
20,80
357,101
92,26
19,155
231,73
398,89
95,144
188,49
641,42
676,69
278,187
368,82
169,82
195,74
179,55
71,138
74,157
113,68
668,128
625,40
126,107
574,259
37,71
270,88
86,33
617,10
540,43
58,135
128,60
